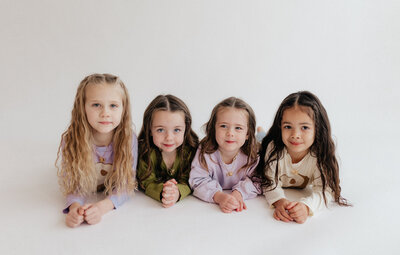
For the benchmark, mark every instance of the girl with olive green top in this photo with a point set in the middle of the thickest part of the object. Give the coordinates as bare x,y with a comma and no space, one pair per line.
167,145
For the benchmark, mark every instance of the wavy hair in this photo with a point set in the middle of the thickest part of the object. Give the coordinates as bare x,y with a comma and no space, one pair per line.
168,103
76,171
323,147
209,145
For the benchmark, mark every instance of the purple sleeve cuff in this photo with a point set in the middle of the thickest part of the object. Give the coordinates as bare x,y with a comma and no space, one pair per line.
73,198
119,200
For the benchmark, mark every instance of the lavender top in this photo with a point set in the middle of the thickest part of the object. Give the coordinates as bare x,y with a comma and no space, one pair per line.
102,169
221,176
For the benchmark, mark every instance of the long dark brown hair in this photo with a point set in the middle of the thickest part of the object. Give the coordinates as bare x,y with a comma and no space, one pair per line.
168,103
323,147
209,143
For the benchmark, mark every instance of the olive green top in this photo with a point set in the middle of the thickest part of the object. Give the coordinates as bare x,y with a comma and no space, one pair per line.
153,184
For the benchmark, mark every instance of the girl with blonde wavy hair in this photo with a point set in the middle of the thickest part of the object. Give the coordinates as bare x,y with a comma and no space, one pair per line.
98,151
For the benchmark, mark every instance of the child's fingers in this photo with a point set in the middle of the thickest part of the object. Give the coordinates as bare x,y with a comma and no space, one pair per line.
296,211
276,216
167,194
244,206
81,211
282,214
89,211
232,205
281,217
167,201
93,220
225,210
77,219
240,207
85,206
168,188
299,214
166,198
168,184
291,205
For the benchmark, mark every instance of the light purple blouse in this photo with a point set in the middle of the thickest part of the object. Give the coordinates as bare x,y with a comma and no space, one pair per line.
107,153
221,176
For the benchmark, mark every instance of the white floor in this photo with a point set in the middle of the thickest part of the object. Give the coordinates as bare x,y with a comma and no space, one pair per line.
32,222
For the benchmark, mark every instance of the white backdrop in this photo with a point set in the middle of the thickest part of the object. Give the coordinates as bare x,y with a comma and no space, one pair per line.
346,52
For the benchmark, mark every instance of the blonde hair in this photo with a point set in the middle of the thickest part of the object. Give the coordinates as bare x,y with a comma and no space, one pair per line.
76,170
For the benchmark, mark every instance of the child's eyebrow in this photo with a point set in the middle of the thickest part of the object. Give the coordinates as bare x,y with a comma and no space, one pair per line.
240,125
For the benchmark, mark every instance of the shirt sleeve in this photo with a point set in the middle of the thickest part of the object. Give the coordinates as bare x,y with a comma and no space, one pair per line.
246,186
151,187
118,199
315,201
201,181
73,198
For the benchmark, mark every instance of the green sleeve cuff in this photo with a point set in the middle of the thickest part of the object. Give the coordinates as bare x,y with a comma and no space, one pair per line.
154,190
184,190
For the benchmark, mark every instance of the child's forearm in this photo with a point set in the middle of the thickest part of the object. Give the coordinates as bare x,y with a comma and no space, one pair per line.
105,206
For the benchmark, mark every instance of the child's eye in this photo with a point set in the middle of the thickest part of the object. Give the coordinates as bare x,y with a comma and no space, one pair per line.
96,105
287,127
177,130
223,126
305,127
238,128
159,130
114,106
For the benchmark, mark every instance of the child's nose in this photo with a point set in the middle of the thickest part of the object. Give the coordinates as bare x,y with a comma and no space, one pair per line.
295,134
229,132
105,112
168,136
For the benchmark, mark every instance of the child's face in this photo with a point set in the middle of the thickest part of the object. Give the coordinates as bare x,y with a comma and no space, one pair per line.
168,130
298,131
104,109
231,130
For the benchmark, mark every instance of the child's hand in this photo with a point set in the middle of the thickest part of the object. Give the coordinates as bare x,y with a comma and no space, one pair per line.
280,212
298,211
227,203
170,193
239,198
94,212
74,217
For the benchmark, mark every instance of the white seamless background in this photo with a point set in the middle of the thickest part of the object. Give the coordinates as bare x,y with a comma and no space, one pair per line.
346,52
